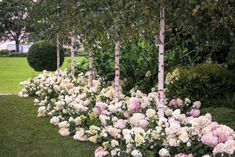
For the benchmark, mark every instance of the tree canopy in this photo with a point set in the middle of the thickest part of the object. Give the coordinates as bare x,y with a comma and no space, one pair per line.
14,21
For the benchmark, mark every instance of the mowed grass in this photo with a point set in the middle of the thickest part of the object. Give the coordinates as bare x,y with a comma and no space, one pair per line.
13,70
23,134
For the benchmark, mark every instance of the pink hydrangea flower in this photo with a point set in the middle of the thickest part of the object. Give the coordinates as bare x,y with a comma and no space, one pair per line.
101,152
120,123
195,112
209,139
173,103
100,108
135,105
222,138
143,123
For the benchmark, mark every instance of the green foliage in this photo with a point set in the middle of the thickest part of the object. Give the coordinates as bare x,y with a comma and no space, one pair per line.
80,66
177,56
205,28
202,82
230,60
18,54
138,65
227,100
42,56
4,52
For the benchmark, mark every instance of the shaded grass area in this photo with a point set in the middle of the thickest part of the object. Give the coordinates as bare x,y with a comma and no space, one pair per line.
16,69
23,134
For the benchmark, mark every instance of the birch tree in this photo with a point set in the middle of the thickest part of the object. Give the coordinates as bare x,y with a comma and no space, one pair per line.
118,21
57,51
161,44
91,69
72,53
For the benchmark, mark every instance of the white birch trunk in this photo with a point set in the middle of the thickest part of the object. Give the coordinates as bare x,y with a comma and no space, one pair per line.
117,70
72,54
161,95
91,69
57,52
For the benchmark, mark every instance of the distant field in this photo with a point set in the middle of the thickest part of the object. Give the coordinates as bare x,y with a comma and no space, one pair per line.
16,69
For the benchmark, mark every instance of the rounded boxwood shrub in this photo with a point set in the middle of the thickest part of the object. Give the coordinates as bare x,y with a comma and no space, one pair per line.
42,56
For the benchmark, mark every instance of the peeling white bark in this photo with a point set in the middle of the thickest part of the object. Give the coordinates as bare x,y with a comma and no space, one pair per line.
57,52
72,54
91,70
117,70
161,94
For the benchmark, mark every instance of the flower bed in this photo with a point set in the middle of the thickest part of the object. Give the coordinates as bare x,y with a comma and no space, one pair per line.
132,126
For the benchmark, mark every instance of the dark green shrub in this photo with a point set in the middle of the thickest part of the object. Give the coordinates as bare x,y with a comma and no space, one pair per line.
227,100
18,54
203,82
4,52
222,115
230,60
42,56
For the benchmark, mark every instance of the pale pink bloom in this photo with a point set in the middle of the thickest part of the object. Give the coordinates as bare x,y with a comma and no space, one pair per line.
101,152
188,120
120,123
220,148
143,105
222,138
173,103
83,109
126,114
197,104
208,116
100,108
134,105
143,123
64,132
195,112
114,132
163,152
209,139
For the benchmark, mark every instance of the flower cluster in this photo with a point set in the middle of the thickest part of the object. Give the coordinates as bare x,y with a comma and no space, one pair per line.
130,127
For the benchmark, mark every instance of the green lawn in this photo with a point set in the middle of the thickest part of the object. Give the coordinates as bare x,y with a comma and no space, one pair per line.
23,134
16,69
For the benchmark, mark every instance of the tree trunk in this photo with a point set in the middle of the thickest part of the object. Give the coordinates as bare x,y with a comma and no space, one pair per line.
117,70
17,46
161,94
72,54
57,52
91,70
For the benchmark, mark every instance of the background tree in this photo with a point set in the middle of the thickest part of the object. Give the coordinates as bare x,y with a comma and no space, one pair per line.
14,20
